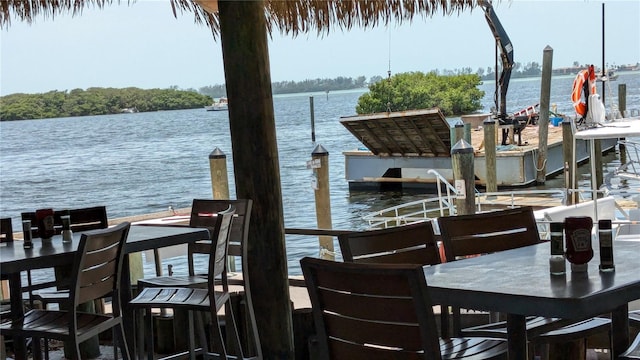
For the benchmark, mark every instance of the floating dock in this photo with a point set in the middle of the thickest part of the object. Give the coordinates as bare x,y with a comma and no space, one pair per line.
400,148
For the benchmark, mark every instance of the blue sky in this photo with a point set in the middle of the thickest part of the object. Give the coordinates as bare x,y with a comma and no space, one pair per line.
143,45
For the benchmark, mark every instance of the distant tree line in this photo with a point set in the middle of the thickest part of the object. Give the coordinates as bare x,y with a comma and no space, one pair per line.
520,70
292,87
97,101
101,101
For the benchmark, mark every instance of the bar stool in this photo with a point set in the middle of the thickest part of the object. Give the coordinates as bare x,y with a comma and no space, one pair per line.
209,300
201,216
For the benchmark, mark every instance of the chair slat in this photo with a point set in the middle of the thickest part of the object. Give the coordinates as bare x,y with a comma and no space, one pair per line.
100,273
370,307
401,335
414,243
349,350
483,233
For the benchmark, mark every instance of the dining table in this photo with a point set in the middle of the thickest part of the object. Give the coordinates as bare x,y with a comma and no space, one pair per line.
14,259
518,283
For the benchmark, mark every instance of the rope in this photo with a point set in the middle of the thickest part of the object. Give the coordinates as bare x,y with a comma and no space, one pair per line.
535,161
324,251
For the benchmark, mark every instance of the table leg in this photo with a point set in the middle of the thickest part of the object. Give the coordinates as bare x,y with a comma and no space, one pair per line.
620,330
17,311
127,311
517,337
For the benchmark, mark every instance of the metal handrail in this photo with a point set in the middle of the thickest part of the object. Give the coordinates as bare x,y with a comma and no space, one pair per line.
425,210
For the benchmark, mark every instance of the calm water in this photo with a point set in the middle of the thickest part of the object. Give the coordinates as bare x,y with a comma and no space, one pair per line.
145,162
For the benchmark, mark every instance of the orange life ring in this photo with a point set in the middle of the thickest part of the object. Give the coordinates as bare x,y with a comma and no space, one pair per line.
584,76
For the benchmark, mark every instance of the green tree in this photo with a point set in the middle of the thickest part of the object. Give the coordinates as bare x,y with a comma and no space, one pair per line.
96,101
453,94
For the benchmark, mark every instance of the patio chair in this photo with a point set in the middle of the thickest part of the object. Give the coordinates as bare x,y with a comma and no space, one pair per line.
96,274
6,230
483,233
82,219
201,211
407,244
209,300
381,311
6,236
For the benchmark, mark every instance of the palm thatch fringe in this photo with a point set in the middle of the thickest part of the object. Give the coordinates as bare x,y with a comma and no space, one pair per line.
287,16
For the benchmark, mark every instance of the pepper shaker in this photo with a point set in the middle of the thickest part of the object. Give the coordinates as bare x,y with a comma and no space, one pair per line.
26,231
605,240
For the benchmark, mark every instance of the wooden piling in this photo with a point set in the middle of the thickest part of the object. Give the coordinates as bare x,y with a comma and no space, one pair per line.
489,128
219,175
313,119
323,200
622,99
461,131
543,120
570,183
622,109
463,177
457,132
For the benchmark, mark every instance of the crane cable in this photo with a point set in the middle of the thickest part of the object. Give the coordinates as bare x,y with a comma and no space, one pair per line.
389,74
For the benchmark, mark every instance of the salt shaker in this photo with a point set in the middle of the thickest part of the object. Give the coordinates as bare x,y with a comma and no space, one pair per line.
26,231
557,264
67,234
605,240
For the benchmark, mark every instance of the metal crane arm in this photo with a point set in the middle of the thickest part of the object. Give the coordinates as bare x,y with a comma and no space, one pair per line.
506,55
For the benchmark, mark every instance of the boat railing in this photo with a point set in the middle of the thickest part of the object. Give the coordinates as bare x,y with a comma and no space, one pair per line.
418,210
444,204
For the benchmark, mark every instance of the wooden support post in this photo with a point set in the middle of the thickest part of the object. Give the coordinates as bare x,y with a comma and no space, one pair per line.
457,132
543,120
622,99
461,131
489,128
219,186
570,181
313,119
323,200
622,108
463,177
245,53
219,175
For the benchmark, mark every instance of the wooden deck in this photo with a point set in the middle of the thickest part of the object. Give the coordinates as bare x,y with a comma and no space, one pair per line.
503,201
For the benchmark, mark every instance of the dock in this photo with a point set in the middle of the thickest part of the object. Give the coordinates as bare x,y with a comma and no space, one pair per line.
401,147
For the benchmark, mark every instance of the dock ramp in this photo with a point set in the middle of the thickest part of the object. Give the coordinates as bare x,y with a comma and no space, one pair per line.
423,133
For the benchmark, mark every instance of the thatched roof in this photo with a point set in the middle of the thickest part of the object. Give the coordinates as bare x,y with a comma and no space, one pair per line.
287,16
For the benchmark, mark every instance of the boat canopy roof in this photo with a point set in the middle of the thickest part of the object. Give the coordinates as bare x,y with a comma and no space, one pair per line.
403,133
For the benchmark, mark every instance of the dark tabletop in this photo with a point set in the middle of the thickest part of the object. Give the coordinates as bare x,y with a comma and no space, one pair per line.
518,282
13,257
